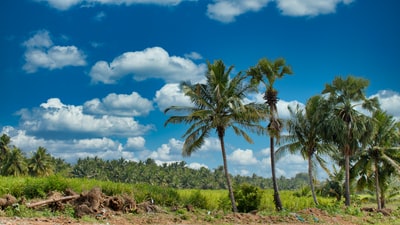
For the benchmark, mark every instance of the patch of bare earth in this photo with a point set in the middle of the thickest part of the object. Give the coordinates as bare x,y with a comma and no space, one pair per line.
123,210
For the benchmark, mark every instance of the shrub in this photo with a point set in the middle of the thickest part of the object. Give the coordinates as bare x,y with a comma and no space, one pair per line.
248,197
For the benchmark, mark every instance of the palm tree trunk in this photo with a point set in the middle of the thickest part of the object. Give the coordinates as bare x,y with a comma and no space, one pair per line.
377,189
383,199
347,178
310,177
228,180
277,198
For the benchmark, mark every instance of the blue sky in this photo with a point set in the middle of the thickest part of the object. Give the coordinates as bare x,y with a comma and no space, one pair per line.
92,77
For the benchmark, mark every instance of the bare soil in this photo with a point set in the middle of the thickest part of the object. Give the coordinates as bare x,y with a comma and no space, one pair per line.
94,207
309,216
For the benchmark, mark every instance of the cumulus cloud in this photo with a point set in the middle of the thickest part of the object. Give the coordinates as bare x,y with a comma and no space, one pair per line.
242,157
227,10
289,165
136,142
54,119
390,102
119,105
67,4
171,95
197,166
282,105
168,152
309,7
211,144
283,110
71,149
150,63
42,53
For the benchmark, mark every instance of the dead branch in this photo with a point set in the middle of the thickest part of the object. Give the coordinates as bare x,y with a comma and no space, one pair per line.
48,201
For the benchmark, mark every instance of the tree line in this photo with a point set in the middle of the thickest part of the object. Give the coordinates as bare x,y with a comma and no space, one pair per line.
40,163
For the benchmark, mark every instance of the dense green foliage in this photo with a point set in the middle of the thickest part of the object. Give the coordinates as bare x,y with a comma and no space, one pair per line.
248,197
174,175
39,187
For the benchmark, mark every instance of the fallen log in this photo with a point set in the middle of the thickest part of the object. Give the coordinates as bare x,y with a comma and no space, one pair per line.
48,201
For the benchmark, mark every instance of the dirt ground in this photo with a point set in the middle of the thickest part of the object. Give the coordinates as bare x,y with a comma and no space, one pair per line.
94,207
309,216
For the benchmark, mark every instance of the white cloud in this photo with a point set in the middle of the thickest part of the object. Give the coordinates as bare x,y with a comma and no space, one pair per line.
42,53
290,165
171,95
67,4
224,11
150,63
193,55
168,152
40,40
136,142
197,166
61,4
100,16
119,105
242,157
266,152
282,105
227,10
309,7
244,172
72,149
211,144
390,102
57,120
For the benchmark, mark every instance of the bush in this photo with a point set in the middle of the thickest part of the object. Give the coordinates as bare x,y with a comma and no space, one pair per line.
248,198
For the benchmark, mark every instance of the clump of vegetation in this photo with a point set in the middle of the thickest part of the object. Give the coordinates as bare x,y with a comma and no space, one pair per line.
248,198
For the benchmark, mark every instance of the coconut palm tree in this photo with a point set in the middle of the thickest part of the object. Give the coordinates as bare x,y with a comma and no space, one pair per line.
217,105
40,164
15,164
267,72
4,146
304,138
348,126
380,158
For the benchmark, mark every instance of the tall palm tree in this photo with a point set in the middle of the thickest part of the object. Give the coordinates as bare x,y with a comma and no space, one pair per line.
217,105
15,164
267,72
381,157
5,141
40,164
304,138
348,126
